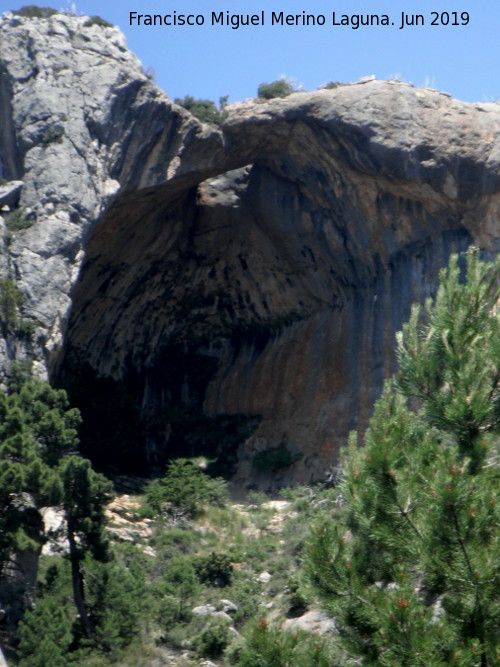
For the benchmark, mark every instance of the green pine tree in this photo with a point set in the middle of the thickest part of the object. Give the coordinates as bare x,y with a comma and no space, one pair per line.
84,498
28,482
413,576
45,635
39,467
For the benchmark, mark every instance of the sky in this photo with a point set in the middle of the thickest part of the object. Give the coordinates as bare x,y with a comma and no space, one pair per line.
212,60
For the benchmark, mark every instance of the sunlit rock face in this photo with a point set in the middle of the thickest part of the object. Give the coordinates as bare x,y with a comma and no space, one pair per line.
230,291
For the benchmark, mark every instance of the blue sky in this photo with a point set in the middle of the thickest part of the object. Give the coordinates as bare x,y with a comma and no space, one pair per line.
209,61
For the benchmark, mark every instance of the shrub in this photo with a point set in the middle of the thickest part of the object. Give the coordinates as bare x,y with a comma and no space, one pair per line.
170,611
175,540
279,88
26,330
204,110
34,12
269,646
180,579
214,638
217,491
45,635
116,601
15,221
11,300
149,72
185,491
215,569
181,493
332,84
97,20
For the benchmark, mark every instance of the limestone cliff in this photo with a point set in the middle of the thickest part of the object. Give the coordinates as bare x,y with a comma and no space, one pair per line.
231,290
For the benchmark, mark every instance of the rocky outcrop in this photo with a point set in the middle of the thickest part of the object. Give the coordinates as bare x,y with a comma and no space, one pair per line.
234,290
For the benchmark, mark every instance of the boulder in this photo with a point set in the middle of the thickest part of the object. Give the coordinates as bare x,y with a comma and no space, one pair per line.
311,621
9,194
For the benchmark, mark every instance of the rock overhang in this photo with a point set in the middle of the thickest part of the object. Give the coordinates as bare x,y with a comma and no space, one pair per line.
256,270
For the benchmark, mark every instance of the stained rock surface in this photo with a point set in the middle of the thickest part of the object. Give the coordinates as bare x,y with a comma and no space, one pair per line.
231,291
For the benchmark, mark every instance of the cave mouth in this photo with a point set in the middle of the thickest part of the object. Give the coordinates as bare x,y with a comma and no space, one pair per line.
136,424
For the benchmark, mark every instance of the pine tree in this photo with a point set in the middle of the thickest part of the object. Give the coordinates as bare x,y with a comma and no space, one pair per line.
28,481
84,498
39,467
412,577
45,635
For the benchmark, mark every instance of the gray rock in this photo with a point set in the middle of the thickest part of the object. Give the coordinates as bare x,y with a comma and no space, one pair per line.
9,194
204,610
311,621
209,610
63,82
228,606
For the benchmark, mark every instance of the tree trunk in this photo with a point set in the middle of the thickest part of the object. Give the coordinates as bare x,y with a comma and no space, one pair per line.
78,585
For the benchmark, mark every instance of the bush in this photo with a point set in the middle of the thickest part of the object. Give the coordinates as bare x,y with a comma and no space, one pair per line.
214,638
185,491
181,493
116,601
34,12
215,569
45,635
204,110
175,540
217,491
331,85
269,646
279,88
97,20
180,579
15,221
171,611
11,300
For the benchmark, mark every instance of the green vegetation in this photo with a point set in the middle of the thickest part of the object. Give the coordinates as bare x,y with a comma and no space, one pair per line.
15,221
404,554
35,12
214,638
412,576
269,646
184,491
38,467
204,110
12,325
215,569
11,300
97,20
279,88
332,84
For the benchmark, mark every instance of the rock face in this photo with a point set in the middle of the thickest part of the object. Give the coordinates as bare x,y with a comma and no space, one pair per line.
235,290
